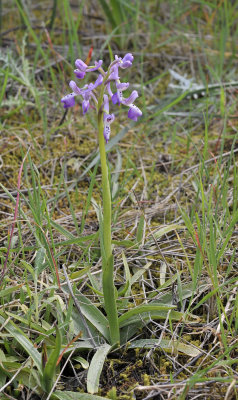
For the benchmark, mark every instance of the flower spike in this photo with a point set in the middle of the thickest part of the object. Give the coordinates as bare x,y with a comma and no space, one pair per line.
89,92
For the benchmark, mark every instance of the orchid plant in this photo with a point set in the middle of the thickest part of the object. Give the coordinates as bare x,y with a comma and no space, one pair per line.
101,93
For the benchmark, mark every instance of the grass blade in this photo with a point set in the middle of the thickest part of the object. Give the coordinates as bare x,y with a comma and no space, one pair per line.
23,340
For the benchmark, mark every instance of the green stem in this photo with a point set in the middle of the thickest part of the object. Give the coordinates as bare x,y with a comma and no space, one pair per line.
108,267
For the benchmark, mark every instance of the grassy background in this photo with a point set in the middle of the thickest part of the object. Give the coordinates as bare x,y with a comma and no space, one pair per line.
174,189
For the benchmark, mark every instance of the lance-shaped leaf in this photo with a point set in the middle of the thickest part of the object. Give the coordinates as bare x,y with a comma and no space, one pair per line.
145,308
95,368
92,314
48,376
172,346
65,395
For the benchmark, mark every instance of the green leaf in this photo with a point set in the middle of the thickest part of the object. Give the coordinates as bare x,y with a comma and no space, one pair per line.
140,229
47,378
95,368
39,261
127,289
62,230
79,273
3,376
9,290
139,273
58,395
43,328
166,229
23,340
92,314
172,346
77,240
145,308
154,315
4,84
130,330
30,379
84,363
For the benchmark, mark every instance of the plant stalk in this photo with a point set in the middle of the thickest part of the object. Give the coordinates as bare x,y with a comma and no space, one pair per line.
107,257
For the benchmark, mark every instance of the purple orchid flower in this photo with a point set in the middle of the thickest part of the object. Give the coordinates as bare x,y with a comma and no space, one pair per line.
134,112
82,68
127,61
118,96
86,92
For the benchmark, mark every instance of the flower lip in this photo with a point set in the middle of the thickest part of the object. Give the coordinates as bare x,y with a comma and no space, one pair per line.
134,112
79,74
126,64
68,100
108,119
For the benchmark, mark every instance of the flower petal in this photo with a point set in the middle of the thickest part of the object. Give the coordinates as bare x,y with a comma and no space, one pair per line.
68,100
109,89
75,88
130,100
94,68
134,112
79,74
92,86
122,85
81,65
99,81
127,61
107,132
114,73
108,119
106,104
128,57
85,106
115,98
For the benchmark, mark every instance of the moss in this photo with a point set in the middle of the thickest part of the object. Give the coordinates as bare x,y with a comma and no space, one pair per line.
146,379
